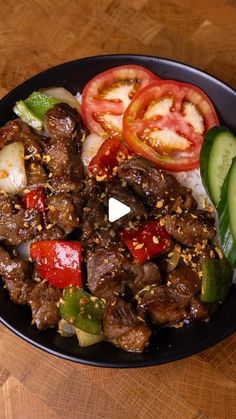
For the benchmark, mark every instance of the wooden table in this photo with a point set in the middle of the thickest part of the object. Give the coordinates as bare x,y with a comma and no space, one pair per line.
35,35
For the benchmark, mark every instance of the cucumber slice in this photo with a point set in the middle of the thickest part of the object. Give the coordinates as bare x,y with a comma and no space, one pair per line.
227,215
218,150
216,280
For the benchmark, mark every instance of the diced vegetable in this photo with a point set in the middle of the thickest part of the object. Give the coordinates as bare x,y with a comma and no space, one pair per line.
84,339
227,217
90,147
66,329
12,168
36,200
82,310
146,241
57,261
23,250
218,150
216,280
27,116
111,153
39,103
32,109
63,95
87,339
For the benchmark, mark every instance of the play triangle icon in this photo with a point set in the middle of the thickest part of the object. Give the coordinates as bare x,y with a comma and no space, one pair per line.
116,209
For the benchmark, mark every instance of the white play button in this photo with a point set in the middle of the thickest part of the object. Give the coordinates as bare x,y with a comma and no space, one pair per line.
116,209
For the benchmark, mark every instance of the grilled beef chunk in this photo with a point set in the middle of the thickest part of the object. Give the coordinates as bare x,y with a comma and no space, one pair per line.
122,327
140,276
184,280
154,185
17,130
61,121
123,194
106,276
64,125
17,225
36,176
190,228
42,298
53,233
200,310
62,212
94,215
163,305
16,274
110,272
43,302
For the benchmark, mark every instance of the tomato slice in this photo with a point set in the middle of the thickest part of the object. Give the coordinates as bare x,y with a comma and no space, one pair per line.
166,123
111,153
107,95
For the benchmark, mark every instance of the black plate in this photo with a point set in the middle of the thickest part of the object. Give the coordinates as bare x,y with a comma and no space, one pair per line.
168,344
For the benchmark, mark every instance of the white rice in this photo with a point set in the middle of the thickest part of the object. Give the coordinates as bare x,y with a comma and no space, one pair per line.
192,180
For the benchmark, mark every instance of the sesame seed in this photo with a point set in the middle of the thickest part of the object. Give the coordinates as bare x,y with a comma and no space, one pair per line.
155,239
160,203
139,246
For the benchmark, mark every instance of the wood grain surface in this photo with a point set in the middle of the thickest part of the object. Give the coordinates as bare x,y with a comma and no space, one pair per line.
35,35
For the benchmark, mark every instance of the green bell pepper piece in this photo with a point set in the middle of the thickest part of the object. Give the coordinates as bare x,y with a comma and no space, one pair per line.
82,310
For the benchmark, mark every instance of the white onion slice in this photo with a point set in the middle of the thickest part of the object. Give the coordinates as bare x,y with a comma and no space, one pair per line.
12,168
23,250
90,147
64,95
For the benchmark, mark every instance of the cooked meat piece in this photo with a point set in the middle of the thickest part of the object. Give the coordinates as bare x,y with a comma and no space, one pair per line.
17,130
94,213
139,276
60,166
163,304
105,272
36,176
193,256
154,185
122,327
61,121
10,132
16,275
200,310
64,125
53,233
115,190
184,280
190,228
62,212
43,302
65,164
17,226
78,201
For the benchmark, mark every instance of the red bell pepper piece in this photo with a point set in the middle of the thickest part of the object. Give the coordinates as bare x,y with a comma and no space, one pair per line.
58,261
146,241
36,200
111,153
